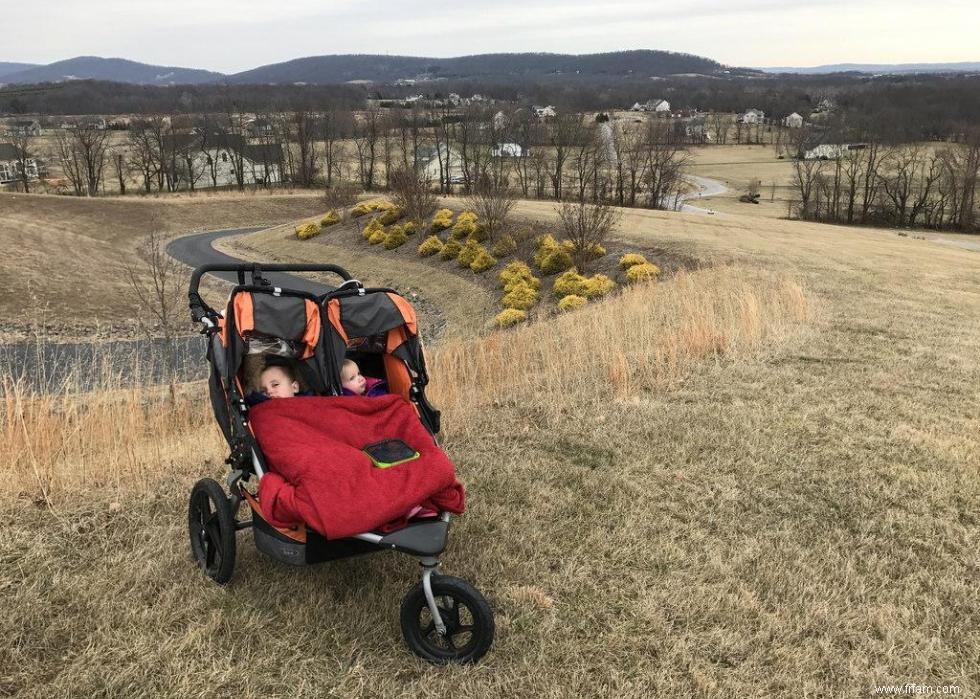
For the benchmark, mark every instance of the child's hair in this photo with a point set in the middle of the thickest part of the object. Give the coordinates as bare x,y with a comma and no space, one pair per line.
273,361
347,363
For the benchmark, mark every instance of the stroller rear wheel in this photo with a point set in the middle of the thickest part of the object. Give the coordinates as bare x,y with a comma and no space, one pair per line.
464,611
211,525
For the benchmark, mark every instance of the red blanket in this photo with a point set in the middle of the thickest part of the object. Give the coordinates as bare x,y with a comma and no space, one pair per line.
318,473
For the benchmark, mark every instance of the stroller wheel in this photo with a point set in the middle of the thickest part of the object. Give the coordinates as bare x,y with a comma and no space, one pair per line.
211,525
464,611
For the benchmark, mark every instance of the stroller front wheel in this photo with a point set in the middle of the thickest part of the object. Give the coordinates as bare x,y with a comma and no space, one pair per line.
211,525
465,613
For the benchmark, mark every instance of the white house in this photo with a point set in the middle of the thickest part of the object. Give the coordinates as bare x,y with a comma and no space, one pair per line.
25,127
214,157
10,157
544,112
832,151
507,150
752,116
793,121
657,106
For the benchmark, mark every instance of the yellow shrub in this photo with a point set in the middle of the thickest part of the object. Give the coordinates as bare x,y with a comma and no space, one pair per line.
307,231
645,272
409,228
571,302
391,215
596,251
521,296
465,225
505,246
395,238
570,283
516,271
330,218
598,285
378,237
450,250
509,317
441,220
430,246
630,259
370,205
552,257
374,226
483,261
468,253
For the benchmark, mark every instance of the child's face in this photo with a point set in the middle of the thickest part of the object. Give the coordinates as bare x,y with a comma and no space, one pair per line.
351,379
275,383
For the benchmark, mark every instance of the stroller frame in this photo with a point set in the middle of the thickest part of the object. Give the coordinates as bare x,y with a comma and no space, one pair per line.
212,515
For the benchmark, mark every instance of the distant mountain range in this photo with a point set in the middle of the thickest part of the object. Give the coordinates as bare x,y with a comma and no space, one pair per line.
879,68
114,69
8,68
322,70
325,70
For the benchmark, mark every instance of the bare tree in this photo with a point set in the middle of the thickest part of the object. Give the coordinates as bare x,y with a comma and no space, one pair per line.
23,143
159,282
805,176
340,196
564,132
492,201
143,157
366,133
304,131
587,226
412,192
664,161
84,152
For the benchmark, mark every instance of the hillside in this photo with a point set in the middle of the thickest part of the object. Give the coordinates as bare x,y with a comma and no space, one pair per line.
620,64
7,68
880,68
114,69
758,478
63,242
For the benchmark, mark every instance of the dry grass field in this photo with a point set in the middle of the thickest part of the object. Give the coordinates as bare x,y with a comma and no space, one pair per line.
756,479
736,167
64,259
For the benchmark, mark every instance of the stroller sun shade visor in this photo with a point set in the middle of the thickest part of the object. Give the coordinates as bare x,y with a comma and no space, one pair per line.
290,318
372,314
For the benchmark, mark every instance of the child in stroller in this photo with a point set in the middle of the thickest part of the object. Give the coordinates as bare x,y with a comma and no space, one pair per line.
320,516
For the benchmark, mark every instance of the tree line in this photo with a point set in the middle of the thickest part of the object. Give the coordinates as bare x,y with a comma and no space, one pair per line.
904,108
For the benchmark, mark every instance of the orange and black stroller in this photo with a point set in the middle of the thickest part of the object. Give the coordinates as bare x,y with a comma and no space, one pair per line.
443,619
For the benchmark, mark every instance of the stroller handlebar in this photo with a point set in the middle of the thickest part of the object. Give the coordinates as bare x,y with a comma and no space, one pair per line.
199,309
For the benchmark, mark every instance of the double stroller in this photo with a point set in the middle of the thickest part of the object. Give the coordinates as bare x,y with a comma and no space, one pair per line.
443,619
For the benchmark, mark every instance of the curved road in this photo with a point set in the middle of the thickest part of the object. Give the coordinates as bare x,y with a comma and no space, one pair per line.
707,188
197,250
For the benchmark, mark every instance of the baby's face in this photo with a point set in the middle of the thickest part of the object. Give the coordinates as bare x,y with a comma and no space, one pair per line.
276,383
351,379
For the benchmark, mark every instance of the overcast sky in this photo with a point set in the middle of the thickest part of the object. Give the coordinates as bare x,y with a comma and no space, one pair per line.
230,36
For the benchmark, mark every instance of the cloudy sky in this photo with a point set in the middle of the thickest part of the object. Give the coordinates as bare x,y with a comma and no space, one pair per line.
230,36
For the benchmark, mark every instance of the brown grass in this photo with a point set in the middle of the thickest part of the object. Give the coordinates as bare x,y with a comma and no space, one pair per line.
797,515
66,252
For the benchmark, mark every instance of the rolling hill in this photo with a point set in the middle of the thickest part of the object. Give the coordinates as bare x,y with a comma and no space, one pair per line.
114,69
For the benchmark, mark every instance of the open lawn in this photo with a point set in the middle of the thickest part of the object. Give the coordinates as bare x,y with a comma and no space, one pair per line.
736,167
759,478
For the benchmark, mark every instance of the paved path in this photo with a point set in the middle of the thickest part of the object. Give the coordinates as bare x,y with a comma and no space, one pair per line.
707,188
197,250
